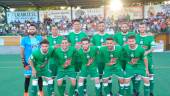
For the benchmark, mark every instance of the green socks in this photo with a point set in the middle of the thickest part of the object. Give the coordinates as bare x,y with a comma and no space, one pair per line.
146,89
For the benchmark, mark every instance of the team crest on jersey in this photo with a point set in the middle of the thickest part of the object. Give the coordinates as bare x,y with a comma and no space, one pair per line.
54,42
141,42
124,38
111,55
65,56
88,56
132,55
46,58
76,38
101,40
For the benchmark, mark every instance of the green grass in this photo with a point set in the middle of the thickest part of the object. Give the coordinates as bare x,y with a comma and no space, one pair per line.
12,78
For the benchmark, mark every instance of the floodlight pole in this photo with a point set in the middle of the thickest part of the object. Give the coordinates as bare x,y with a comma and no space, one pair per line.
38,12
104,6
5,10
71,12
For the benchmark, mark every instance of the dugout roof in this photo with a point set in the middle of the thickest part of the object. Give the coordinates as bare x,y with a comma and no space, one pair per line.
84,3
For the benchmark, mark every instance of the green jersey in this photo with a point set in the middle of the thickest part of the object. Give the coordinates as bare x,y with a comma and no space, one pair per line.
99,39
147,42
121,39
85,56
63,55
54,40
76,37
134,55
107,55
40,59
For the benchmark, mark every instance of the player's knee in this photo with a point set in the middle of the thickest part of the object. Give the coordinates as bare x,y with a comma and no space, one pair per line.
121,81
74,83
138,77
146,84
80,84
45,83
97,80
105,80
59,82
105,84
127,80
34,82
50,81
127,84
97,85
81,79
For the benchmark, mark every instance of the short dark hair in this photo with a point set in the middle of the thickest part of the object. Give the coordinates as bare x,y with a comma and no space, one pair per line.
125,23
101,22
43,33
142,23
85,39
65,38
53,26
76,20
132,37
33,25
44,41
109,38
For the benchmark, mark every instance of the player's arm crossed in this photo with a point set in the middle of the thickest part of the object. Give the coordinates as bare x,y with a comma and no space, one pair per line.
145,62
31,59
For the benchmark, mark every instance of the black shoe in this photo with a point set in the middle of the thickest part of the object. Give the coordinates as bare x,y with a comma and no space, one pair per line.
76,93
151,94
85,93
118,94
136,94
101,94
111,94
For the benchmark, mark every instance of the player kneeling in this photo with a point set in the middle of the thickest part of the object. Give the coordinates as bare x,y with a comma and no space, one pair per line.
137,63
39,63
87,54
64,55
111,55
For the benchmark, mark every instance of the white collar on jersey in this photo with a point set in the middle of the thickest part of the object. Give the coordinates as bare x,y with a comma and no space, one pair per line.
113,48
64,50
77,32
143,35
124,33
87,50
134,48
101,34
54,36
43,52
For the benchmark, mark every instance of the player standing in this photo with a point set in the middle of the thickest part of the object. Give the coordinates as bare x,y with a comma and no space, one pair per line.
75,38
99,40
87,54
39,64
122,36
28,44
112,55
64,55
54,41
148,43
136,63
